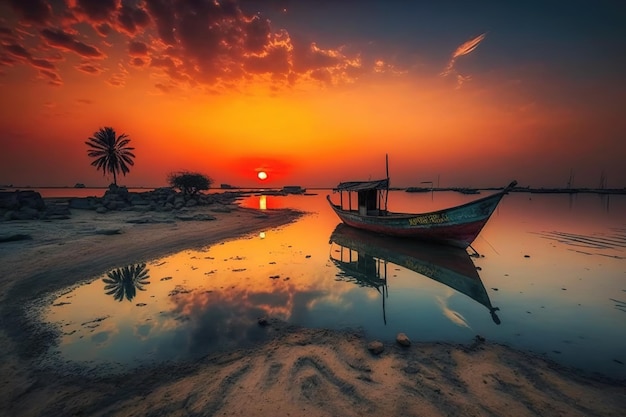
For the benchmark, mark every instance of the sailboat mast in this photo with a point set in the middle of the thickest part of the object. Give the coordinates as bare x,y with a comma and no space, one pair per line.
387,171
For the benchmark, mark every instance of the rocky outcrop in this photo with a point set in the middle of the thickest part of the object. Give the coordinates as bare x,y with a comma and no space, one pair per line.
160,199
28,205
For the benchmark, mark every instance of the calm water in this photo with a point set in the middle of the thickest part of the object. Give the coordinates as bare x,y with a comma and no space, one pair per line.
553,272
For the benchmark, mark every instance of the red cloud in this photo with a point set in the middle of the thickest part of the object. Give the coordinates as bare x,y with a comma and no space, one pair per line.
63,40
33,11
136,48
95,10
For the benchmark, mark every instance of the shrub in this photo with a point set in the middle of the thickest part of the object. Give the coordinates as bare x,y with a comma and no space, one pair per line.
189,183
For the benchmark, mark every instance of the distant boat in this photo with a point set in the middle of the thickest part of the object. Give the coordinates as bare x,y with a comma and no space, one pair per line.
367,267
456,226
79,185
293,189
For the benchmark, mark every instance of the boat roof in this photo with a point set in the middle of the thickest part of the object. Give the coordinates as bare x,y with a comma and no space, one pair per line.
363,185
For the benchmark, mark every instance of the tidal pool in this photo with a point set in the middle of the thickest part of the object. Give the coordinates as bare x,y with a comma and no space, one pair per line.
551,279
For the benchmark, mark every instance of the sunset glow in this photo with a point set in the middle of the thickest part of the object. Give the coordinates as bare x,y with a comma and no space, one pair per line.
262,175
314,94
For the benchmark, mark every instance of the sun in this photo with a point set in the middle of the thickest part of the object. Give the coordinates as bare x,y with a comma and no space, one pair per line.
262,175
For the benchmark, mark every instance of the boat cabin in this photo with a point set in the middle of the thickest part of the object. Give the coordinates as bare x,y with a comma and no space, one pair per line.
371,196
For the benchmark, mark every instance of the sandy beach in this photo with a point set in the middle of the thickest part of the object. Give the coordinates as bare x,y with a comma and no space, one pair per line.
295,372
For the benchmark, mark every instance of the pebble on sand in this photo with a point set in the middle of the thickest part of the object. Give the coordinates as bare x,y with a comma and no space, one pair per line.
376,347
403,340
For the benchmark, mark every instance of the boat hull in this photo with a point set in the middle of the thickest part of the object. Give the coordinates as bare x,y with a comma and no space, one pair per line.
456,226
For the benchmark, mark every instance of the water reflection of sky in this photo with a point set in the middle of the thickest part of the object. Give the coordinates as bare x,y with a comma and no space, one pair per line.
558,294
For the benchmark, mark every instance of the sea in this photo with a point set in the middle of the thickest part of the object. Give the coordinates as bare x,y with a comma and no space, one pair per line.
547,275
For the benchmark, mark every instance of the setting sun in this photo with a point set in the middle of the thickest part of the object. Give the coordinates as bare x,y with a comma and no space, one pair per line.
262,175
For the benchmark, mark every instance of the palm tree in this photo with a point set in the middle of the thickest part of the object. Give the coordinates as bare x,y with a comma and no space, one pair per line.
124,282
112,153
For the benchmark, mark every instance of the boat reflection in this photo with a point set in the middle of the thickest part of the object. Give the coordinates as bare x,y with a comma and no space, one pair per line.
124,282
363,259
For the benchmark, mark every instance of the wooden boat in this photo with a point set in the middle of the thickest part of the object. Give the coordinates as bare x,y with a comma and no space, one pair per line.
456,226
364,252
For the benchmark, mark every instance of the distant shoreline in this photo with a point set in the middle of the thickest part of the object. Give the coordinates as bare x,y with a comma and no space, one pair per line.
462,190
518,190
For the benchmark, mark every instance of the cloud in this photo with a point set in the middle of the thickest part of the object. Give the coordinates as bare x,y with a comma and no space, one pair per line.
24,55
136,48
132,20
18,51
103,29
53,78
218,44
162,12
119,78
64,40
190,43
6,33
137,62
89,68
42,64
94,10
32,11
463,49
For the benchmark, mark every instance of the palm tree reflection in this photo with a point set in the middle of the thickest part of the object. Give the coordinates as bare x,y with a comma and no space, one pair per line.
124,282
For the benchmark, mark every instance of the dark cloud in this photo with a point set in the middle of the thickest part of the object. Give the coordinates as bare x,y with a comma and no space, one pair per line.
162,12
309,57
53,77
17,50
95,10
137,62
32,11
275,61
103,28
6,60
257,34
190,41
42,64
136,48
89,68
5,32
216,43
117,80
163,88
64,40
131,19
25,56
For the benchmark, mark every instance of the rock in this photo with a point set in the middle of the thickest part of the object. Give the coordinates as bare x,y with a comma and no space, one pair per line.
32,199
27,213
262,321
403,340
376,347
9,200
21,205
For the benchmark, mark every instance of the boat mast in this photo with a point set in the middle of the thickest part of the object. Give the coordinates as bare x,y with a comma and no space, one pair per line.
387,171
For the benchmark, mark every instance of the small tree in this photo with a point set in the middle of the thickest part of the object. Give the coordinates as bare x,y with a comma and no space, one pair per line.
189,183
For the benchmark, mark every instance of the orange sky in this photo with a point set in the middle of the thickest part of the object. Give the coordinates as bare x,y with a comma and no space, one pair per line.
310,104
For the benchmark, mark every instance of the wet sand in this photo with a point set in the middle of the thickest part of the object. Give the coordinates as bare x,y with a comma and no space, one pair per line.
312,372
